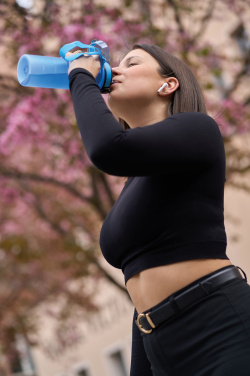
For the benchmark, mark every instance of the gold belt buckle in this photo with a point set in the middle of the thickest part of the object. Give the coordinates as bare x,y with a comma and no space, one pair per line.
149,321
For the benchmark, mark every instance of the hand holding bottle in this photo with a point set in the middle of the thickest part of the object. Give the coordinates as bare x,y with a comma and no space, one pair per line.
89,62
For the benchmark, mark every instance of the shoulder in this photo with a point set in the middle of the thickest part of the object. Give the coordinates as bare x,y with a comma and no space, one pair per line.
199,117
195,121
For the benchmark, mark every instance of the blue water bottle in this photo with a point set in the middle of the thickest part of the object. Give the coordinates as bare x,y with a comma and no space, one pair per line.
52,72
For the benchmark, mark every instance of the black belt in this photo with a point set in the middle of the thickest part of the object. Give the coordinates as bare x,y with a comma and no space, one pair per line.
146,322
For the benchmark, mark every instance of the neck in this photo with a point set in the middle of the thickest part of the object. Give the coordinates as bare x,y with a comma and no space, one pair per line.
141,117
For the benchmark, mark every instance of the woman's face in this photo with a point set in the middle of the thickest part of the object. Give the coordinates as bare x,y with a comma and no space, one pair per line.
135,82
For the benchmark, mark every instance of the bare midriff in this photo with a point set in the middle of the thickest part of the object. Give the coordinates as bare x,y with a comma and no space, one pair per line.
153,285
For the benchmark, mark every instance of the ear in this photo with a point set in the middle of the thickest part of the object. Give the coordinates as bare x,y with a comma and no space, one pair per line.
172,85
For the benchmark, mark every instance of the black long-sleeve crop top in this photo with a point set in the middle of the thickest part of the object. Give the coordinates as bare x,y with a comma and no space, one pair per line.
172,207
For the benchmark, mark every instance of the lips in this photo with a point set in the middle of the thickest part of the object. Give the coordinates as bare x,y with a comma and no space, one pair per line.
115,82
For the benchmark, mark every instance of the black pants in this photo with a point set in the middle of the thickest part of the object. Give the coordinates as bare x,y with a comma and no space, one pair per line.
209,338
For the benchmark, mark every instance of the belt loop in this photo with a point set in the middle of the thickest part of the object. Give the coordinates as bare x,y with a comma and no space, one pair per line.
173,304
242,272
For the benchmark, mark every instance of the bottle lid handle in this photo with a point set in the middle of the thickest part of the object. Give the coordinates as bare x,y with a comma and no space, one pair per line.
67,47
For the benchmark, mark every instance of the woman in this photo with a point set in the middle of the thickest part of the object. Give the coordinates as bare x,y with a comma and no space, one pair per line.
166,230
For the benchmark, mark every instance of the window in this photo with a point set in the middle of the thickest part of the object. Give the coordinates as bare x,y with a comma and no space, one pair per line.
82,372
21,362
82,369
117,361
117,364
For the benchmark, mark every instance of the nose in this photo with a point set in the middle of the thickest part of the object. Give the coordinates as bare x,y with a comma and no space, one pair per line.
116,71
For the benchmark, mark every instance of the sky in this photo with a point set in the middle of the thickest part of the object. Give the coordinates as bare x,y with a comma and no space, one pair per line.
25,3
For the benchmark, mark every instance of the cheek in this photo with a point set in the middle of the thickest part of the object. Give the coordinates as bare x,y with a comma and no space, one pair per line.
141,88
128,94
137,85
143,82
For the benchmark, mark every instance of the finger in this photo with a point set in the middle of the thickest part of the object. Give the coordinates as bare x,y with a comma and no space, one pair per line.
96,57
81,52
72,53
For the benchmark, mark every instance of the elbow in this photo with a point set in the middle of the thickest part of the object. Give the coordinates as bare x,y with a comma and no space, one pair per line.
95,156
106,162
100,160
107,155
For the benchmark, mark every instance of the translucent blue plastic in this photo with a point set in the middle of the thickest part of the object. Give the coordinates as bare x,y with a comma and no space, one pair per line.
43,71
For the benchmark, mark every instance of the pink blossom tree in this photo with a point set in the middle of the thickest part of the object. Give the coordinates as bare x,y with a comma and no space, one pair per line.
52,200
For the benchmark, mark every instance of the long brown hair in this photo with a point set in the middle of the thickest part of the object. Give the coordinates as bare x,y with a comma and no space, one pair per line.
188,97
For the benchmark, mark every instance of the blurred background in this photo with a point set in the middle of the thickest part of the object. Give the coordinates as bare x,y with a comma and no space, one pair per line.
64,310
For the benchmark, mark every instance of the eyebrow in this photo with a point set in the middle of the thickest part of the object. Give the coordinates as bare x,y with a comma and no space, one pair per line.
131,57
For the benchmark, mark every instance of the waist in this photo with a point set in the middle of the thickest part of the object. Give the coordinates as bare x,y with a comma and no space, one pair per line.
151,286
184,298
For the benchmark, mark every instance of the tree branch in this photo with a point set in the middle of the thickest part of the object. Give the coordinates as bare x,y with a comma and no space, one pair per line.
204,21
247,101
37,178
10,83
237,79
238,170
175,7
60,231
109,277
242,186
41,212
107,188
97,202
46,15
145,10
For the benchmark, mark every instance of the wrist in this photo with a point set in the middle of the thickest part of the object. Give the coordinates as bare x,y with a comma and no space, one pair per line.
88,65
80,70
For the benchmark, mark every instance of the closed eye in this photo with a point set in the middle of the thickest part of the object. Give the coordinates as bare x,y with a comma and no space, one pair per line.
131,64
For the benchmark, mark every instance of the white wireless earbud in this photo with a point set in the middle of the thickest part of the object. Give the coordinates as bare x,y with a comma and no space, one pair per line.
162,87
